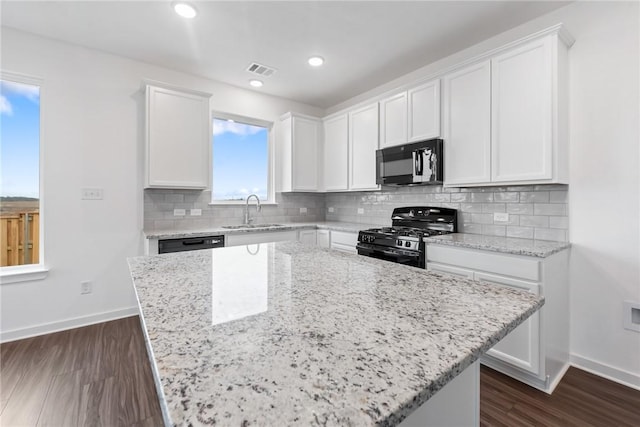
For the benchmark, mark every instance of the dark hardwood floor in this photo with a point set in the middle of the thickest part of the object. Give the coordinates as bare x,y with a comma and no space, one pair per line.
100,376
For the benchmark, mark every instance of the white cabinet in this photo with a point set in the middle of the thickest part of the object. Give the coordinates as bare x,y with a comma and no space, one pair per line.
343,241
467,125
178,138
505,119
424,111
324,238
253,237
298,148
537,351
363,143
393,120
521,113
411,116
308,237
336,153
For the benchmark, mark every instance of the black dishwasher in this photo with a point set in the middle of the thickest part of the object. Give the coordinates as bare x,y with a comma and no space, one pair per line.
166,246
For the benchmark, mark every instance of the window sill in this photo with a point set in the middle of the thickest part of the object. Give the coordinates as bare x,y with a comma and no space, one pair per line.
23,273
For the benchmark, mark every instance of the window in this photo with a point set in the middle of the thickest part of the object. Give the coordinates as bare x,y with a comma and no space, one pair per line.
20,230
241,160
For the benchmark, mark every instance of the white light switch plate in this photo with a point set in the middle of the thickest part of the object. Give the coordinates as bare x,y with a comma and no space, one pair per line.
303,210
360,211
500,217
196,212
331,210
92,194
179,212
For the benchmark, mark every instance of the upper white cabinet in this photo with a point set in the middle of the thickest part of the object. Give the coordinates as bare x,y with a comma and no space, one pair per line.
178,138
424,111
336,153
467,125
505,119
393,120
410,116
363,143
522,113
298,144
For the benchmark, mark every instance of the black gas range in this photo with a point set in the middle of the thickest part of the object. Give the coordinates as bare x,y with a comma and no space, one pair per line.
402,242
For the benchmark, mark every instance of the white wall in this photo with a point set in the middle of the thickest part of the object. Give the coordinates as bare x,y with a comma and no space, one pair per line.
604,188
92,136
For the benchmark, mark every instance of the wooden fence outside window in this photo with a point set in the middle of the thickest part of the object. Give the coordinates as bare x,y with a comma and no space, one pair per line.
19,238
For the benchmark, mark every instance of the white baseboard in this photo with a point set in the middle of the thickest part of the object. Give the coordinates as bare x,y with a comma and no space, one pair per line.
609,372
63,325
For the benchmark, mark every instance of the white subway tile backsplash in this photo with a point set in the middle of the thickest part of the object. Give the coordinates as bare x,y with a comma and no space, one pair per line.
534,211
534,221
549,209
550,234
534,197
520,208
520,232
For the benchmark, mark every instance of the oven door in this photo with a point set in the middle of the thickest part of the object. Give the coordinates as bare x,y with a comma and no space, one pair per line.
413,258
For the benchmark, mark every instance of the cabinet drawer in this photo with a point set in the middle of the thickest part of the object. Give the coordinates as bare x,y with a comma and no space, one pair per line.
449,269
252,238
509,265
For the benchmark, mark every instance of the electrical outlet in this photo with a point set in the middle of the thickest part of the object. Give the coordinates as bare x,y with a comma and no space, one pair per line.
303,211
92,194
85,288
360,211
500,217
179,212
331,210
196,212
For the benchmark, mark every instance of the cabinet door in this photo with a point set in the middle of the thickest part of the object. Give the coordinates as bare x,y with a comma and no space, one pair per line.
308,237
521,128
336,154
424,111
363,143
467,125
323,238
345,242
178,144
393,120
305,153
521,347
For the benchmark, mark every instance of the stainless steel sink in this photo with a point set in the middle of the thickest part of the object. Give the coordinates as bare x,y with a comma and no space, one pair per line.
234,227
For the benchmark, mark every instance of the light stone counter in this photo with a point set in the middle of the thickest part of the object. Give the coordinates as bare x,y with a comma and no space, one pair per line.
351,227
509,245
296,335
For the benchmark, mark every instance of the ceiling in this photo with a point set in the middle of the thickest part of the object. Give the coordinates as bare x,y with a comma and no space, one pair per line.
365,44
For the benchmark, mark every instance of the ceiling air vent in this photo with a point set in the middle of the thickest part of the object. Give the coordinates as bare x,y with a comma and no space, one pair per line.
260,70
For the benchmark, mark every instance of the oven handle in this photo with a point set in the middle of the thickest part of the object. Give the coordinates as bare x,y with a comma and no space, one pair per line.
370,250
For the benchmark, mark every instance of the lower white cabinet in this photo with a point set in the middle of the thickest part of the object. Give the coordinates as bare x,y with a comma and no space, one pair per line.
253,238
324,238
343,241
308,237
537,351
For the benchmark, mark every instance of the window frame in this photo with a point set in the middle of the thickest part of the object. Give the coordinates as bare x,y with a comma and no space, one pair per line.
271,196
30,272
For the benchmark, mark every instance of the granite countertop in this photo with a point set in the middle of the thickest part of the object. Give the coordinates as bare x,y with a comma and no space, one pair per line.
509,245
351,227
297,335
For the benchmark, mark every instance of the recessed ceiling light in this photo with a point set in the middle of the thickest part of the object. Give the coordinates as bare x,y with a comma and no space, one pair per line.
185,10
316,61
256,83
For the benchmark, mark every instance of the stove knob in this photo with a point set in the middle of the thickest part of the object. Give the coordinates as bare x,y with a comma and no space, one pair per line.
399,242
407,244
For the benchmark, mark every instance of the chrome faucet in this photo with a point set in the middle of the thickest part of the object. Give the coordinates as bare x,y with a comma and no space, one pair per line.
247,218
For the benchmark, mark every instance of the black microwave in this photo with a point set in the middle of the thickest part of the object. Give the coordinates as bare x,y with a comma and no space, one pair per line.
418,163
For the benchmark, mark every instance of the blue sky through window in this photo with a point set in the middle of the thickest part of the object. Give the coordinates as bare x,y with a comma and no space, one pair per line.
19,139
240,160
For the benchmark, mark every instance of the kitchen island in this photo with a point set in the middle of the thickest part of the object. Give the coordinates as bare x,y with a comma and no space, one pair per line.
287,334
